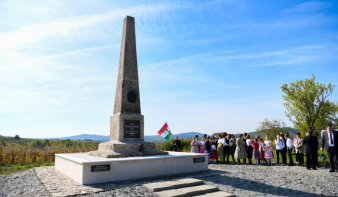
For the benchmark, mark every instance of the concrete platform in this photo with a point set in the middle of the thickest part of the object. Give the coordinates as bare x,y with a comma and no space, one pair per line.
86,169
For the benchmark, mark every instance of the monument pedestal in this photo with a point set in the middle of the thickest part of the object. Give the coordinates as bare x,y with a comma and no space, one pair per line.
126,135
126,127
86,169
114,149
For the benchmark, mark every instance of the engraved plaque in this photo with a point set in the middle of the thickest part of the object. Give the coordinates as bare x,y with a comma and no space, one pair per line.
131,97
198,159
131,128
99,168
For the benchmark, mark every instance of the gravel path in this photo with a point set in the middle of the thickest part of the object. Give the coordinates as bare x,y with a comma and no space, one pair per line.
241,180
24,183
251,180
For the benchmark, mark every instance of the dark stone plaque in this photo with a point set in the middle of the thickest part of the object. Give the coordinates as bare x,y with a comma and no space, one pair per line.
132,129
99,168
131,97
199,159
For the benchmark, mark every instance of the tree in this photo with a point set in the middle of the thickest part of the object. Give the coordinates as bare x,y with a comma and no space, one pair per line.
46,143
17,137
2,141
307,104
37,144
333,116
271,127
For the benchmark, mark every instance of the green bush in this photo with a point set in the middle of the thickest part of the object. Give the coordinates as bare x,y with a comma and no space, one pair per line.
37,144
167,145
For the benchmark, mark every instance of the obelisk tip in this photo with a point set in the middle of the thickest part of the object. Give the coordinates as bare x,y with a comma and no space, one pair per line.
129,16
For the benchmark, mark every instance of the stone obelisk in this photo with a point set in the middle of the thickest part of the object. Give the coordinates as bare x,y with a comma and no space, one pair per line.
127,123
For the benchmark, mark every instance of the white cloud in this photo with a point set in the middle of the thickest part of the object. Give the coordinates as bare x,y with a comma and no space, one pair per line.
75,26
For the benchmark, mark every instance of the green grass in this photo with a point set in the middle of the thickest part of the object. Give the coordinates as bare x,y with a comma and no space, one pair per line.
294,158
18,168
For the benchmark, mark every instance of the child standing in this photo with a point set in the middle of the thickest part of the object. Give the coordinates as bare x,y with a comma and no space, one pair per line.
261,149
202,149
212,158
256,154
268,150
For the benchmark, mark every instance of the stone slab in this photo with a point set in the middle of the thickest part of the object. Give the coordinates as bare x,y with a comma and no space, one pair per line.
188,182
159,186
170,193
78,166
167,185
113,149
197,190
217,194
132,153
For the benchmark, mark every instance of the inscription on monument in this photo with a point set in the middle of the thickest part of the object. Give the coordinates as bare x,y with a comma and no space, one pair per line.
132,129
199,159
99,168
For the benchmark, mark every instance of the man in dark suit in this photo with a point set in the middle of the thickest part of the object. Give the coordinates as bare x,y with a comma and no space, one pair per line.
177,144
215,140
311,144
330,143
284,150
245,146
226,150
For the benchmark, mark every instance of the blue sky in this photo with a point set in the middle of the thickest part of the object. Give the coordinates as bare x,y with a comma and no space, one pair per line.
204,66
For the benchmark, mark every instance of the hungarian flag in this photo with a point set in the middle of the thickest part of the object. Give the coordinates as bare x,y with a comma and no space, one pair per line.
165,132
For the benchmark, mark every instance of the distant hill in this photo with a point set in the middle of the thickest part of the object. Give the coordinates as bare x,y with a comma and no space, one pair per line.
103,138
148,138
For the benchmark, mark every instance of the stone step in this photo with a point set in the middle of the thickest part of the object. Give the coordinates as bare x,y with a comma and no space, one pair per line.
185,187
170,193
188,191
217,194
197,190
167,185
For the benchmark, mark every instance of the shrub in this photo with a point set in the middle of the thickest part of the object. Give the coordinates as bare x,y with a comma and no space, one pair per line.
37,144
167,145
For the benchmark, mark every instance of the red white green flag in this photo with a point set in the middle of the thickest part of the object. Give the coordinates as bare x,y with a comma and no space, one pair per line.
165,132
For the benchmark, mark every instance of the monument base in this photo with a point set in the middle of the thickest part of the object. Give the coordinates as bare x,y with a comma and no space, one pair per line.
113,149
86,169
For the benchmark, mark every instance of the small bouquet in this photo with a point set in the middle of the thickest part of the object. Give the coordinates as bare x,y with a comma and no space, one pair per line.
323,158
141,147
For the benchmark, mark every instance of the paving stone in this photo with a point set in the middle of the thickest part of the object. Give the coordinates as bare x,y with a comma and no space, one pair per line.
197,190
170,193
59,185
159,186
217,194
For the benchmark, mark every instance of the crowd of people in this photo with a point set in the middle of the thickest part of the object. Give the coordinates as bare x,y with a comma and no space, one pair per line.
220,148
